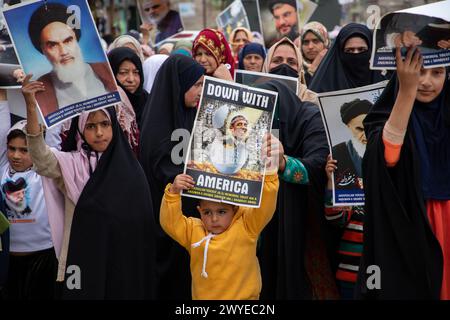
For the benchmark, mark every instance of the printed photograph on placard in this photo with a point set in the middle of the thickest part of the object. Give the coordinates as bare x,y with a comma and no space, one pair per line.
57,42
234,16
224,156
426,27
162,16
343,113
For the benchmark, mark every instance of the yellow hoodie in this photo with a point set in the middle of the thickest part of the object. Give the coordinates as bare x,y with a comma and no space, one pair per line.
232,270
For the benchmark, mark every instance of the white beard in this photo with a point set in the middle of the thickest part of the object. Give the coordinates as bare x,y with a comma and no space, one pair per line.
16,207
158,19
359,147
71,72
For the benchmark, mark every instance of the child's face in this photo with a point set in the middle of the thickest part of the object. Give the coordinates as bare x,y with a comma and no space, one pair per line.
18,156
216,216
98,131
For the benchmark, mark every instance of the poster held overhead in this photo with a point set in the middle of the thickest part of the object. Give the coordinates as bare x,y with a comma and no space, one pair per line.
8,59
58,43
224,155
232,17
427,27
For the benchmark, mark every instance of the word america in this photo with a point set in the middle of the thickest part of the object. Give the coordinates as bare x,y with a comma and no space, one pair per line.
222,184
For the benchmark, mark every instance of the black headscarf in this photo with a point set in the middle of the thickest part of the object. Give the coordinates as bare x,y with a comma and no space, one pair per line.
112,238
251,48
284,240
397,234
139,98
339,70
164,112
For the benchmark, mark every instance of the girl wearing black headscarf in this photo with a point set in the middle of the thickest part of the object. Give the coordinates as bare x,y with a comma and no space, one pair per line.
293,251
178,80
407,185
99,206
347,68
127,68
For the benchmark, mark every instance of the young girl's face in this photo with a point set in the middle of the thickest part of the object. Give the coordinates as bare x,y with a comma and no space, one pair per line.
18,156
216,216
431,84
98,131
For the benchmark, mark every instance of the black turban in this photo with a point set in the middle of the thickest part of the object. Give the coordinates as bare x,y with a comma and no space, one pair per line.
13,186
44,15
353,109
275,2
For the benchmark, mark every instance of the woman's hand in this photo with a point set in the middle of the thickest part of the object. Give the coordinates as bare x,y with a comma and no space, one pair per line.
317,60
29,90
408,70
182,182
273,153
223,73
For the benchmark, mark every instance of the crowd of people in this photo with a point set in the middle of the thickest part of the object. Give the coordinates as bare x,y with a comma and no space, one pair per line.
101,192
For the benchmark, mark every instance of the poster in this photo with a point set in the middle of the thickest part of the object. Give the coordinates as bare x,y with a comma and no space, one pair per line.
232,17
8,59
163,16
427,27
343,113
58,43
305,11
252,79
224,155
284,18
253,16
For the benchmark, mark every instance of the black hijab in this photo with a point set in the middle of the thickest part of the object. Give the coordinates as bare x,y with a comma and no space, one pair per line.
165,112
339,70
112,237
397,234
284,240
139,97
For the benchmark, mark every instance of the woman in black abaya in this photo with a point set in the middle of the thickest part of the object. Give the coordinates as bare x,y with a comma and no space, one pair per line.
346,64
406,227
165,112
293,251
130,77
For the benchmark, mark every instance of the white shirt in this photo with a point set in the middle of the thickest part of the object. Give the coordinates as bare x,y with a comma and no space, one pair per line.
29,231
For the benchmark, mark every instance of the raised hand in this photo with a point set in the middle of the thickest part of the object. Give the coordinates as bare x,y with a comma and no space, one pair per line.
29,89
408,70
182,182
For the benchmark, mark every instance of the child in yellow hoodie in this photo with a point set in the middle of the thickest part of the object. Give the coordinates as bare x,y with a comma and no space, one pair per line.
222,244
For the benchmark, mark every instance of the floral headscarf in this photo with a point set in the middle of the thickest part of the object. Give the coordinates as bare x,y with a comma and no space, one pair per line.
303,92
214,42
319,31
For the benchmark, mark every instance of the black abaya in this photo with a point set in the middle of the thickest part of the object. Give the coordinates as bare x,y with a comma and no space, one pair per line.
112,238
164,113
284,240
397,235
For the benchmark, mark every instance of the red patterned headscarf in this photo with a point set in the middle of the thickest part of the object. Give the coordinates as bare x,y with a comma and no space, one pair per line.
214,42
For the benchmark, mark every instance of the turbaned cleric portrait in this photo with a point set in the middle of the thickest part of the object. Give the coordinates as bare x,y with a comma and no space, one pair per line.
71,78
